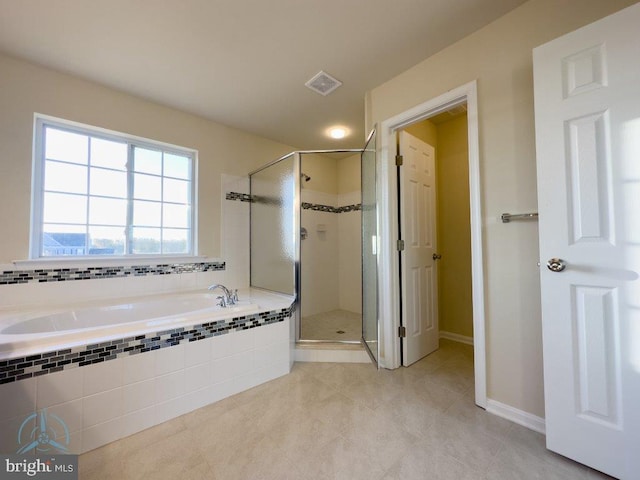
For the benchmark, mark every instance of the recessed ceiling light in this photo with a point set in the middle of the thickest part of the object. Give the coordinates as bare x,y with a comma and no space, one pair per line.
338,132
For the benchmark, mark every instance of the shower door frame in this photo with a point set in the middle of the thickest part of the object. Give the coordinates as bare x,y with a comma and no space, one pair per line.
296,222
297,208
299,251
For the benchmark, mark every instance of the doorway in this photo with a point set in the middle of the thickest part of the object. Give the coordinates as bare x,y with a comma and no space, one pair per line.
435,261
390,291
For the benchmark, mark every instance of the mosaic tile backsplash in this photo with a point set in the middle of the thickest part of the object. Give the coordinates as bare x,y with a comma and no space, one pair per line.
244,197
9,277
329,209
30,366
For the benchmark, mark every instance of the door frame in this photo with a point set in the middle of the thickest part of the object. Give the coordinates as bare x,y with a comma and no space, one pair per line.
389,279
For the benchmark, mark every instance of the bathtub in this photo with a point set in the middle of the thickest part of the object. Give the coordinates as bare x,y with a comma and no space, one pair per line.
112,369
153,311
24,332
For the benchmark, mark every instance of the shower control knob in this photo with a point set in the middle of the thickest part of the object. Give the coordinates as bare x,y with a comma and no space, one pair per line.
556,265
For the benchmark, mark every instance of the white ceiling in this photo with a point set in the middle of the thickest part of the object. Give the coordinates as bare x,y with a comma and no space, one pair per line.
244,63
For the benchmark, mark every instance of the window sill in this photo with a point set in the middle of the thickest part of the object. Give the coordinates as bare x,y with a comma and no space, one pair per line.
47,263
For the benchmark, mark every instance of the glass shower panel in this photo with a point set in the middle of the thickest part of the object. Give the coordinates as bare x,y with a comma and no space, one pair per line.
273,226
369,249
330,247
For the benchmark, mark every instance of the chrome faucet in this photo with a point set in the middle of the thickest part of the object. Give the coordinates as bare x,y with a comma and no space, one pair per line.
229,298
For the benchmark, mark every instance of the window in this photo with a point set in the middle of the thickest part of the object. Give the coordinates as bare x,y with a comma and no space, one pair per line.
103,193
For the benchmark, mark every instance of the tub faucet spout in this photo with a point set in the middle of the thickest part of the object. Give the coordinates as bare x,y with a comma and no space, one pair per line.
229,298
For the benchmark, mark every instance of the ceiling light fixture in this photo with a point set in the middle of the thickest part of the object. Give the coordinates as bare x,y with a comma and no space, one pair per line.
338,132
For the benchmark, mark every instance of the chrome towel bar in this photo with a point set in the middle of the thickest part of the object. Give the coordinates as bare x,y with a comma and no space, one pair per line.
507,217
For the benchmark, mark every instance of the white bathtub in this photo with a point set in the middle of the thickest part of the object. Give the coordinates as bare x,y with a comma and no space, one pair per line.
109,370
25,332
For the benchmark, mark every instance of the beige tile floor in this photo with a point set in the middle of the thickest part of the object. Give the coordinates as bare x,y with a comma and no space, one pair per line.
342,421
327,325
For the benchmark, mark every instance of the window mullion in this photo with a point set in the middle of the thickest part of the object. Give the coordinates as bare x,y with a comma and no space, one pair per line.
129,227
88,197
162,204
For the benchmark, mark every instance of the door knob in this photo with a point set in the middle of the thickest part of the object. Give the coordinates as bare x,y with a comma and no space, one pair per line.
436,256
556,264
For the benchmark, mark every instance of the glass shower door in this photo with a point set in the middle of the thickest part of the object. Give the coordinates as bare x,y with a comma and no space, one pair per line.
273,226
369,249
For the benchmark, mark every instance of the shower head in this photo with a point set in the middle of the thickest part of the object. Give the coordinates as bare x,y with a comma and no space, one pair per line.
305,177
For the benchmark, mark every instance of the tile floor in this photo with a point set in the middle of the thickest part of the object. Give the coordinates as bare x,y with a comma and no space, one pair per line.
342,421
326,325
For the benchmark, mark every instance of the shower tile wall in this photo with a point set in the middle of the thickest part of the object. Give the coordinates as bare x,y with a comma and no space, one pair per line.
350,254
320,286
331,269
234,239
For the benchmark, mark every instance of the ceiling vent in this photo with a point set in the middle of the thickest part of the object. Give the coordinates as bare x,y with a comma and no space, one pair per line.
323,83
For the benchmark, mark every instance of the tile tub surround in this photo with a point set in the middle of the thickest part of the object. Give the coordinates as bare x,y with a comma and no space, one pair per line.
101,402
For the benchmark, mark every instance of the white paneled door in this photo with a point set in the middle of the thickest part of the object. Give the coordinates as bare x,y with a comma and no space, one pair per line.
587,107
418,258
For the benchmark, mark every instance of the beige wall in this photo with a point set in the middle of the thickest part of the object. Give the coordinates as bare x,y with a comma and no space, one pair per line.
26,88
499,57
349,177
323,170
454,231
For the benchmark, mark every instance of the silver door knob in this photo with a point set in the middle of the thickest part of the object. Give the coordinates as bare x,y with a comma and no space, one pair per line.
436,256
556,264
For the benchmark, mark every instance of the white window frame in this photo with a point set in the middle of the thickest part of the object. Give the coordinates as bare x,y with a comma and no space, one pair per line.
37,188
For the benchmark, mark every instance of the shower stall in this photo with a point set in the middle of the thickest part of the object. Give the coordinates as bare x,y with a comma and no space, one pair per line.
314,235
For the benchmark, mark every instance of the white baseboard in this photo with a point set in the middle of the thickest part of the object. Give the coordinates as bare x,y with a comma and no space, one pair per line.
456,337
520,417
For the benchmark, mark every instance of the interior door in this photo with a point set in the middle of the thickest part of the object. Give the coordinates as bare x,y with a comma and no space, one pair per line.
418,257
369,249
587,108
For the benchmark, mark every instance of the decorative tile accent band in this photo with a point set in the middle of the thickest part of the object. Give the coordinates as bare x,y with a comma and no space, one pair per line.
243,197
9,277
329,209
30,366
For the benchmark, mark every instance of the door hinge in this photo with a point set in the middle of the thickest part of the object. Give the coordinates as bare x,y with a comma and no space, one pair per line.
400,245
402,332
399,160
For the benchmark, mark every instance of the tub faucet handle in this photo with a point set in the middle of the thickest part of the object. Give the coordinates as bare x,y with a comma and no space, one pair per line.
234,297
222,302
